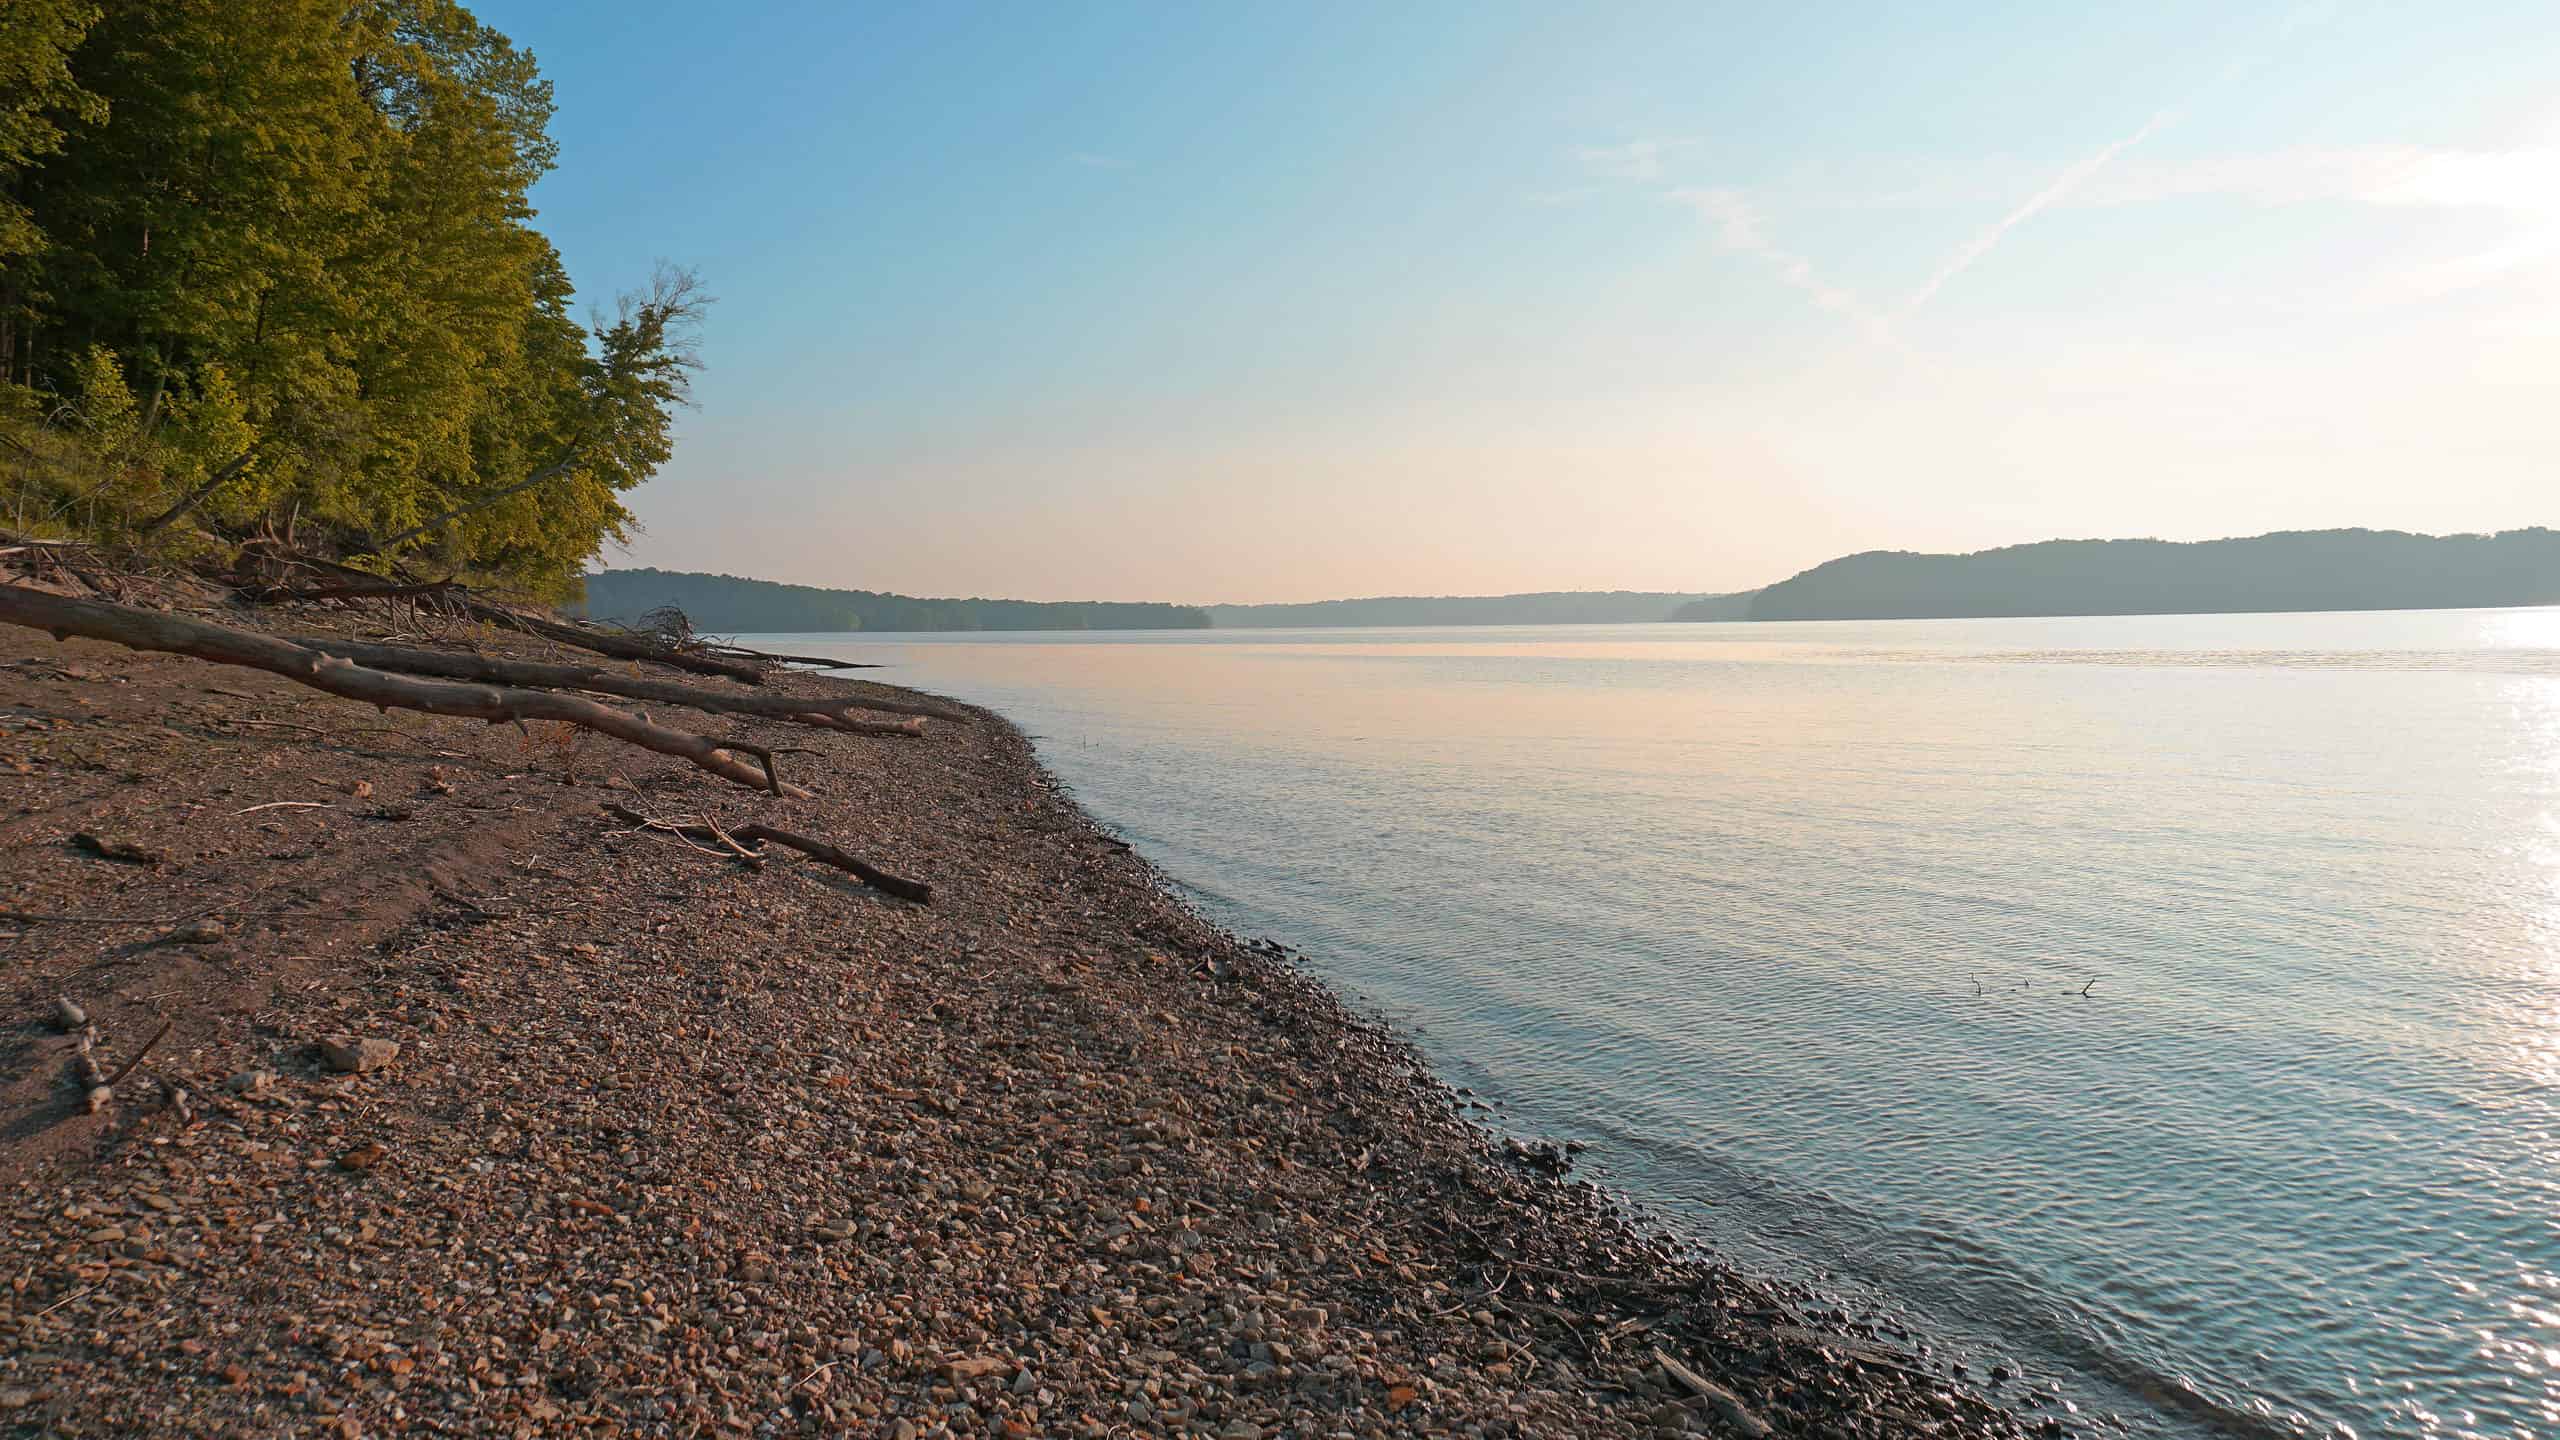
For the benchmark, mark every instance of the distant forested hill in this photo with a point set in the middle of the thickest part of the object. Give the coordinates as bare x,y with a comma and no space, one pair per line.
1550,607
2291,570
728,605
1736,606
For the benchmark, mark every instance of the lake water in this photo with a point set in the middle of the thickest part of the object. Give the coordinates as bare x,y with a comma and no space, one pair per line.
1790,923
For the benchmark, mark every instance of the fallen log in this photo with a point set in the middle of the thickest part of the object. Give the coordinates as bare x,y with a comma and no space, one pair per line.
820,661
135,629
606,642
742,839
829,711
490,612
376,590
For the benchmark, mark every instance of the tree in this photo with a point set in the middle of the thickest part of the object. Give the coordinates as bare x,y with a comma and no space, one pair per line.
36,91
297,234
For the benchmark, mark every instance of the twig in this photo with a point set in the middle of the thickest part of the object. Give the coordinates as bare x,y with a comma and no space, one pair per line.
118,1078
722,836
1727,1405
65,1300
285,805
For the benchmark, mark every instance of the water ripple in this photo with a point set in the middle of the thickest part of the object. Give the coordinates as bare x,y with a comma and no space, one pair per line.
1790,923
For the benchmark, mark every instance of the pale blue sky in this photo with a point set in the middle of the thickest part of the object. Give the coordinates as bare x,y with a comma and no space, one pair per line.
1253,303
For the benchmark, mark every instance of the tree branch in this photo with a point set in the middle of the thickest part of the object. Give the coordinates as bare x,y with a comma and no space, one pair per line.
198,495
484,502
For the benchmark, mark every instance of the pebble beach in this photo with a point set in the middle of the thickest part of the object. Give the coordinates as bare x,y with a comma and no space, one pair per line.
484,1111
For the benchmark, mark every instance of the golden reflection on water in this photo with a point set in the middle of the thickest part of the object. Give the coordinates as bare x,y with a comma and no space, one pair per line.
2307,1158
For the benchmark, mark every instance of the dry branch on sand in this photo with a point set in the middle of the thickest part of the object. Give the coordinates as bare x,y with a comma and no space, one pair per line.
740,841
135,629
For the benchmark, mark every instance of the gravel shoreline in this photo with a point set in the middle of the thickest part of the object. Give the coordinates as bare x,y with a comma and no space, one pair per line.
674,1147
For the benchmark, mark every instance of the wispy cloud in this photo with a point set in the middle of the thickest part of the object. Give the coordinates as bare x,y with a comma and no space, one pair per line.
1095,160
2055,192
1739,229
2520,178
2519,182
1634,160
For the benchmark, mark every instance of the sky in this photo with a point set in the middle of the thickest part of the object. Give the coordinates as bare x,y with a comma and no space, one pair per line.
1235,303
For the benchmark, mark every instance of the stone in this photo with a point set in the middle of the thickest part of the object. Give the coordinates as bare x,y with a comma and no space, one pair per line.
201,932
252,1083
67,1016
100,1097
358,1057
971,1368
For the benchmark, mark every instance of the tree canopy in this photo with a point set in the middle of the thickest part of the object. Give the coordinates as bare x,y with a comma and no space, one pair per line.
277,257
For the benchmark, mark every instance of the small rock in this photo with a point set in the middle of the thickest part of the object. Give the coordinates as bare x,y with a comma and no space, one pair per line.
360,789
92,843
363,1157
350,1056
67,1016
201,932
252,1083
100,1097
971,1368
1241,1430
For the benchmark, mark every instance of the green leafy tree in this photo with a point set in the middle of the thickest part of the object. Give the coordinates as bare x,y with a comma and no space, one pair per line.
300,231
37,93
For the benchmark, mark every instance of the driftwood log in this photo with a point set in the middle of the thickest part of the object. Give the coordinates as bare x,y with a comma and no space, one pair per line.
489,612
740,841
831,712
770,657
177,635
606,642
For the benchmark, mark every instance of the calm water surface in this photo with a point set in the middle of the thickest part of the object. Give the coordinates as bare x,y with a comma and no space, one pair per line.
1789,921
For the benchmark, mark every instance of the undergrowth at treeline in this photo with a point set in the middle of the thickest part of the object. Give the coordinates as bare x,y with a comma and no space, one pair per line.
277,257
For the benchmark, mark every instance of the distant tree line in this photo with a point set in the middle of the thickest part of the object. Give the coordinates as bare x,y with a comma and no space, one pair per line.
2291,570
1549,607
729,604
272,263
